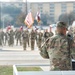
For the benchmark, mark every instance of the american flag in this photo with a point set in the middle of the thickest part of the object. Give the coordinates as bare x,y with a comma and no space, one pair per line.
29,20
38,17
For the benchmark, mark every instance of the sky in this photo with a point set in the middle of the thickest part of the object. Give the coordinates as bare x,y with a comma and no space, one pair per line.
40,0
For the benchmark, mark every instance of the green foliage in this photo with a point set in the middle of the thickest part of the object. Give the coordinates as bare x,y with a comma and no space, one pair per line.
12,10
8,70
67,18
29,69
20,18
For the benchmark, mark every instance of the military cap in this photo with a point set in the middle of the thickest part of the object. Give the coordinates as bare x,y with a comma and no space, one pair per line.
62,24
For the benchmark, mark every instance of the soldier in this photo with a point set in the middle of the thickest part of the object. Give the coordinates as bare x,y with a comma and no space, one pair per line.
0,38
11,38
18,34
46,35
28,37
6,38
39,39
59,49
51,33
25,39
33,37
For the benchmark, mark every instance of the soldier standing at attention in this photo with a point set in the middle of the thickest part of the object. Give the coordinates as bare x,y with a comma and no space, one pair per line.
28,39
39,39
59,49
18,37
33,37
25,39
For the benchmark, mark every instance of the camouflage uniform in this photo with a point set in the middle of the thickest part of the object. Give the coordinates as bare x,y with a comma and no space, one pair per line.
28,37
18,36
6,38
46,35
11,38
33,37
2,36
39,39
59,51
51,34
25,39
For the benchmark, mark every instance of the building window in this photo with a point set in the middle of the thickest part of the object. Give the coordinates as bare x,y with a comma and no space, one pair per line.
51,7
39,4
63,11
51,10
63,7
52,4
73,6
51,14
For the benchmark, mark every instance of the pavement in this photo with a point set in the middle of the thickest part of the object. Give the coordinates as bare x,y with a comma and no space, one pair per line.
16,55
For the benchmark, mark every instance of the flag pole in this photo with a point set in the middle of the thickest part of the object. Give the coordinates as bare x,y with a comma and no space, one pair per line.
26,8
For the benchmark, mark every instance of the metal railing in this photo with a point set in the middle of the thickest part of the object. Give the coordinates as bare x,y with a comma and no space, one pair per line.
16,72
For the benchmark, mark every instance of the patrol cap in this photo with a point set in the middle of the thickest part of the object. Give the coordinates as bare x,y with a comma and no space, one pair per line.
62,24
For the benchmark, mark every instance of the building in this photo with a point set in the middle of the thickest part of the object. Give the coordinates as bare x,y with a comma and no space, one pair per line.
15,0
53,9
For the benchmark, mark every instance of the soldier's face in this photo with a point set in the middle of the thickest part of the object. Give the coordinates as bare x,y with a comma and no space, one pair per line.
61,30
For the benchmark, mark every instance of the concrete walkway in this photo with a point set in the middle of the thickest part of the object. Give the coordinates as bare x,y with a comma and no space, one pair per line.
16,55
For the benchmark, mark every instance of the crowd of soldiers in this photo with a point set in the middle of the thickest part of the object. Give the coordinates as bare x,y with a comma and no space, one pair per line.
24,37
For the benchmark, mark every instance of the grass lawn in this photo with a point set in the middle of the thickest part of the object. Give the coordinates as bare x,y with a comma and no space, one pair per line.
8,70
29,69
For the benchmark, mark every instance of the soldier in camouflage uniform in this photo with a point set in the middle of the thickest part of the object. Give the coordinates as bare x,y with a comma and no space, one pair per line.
33,37
28,37
2,36
18,34
6,38
59,48
11,38
39,39
46,35
51,33
25,39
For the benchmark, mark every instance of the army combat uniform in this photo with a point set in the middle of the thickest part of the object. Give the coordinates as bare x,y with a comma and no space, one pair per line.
18,36
25,39
59,48
39,39
11,38
46,35
33,37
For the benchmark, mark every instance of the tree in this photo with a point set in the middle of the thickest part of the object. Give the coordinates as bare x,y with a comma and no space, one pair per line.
12,11
6,19
20,18
67,18
44,19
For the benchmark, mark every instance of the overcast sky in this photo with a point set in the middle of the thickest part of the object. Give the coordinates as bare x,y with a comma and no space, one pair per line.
41,0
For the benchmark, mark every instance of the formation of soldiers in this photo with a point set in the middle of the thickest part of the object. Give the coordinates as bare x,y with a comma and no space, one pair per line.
24,37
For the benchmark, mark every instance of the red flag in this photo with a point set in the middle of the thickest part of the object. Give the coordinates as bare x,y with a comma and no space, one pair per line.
38,18
29,20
